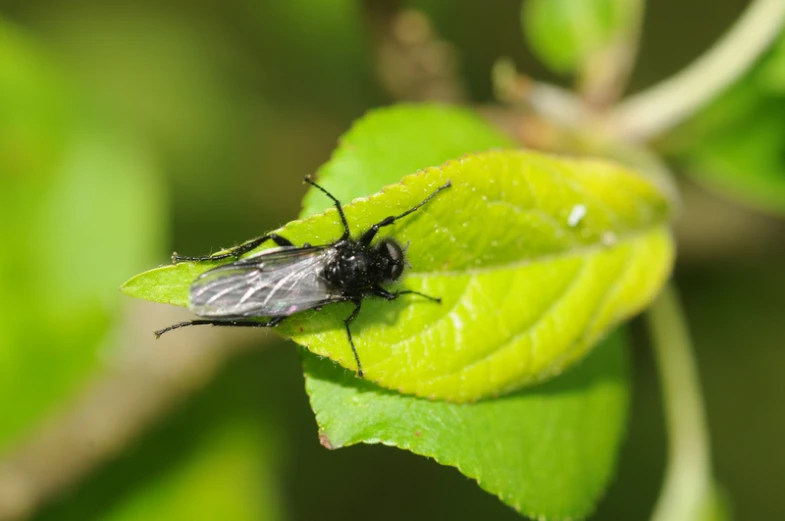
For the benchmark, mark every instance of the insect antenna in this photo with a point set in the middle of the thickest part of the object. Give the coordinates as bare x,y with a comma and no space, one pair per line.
423,203
346,232
367,237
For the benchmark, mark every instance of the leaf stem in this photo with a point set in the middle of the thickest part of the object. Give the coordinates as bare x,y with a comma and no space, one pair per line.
688,474
554,103
672,101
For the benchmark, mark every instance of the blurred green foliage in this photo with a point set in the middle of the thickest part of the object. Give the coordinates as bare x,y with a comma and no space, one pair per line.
133,128
737,144
82,203
565,34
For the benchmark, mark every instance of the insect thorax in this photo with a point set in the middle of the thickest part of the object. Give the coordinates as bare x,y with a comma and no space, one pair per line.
356,267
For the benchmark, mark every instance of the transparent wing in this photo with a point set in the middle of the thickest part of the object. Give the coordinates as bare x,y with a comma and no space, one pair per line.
274,284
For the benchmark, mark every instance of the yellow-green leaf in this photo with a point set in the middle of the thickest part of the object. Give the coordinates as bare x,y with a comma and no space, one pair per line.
535,258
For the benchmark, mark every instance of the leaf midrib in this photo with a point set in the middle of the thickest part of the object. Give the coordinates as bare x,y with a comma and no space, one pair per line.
584,250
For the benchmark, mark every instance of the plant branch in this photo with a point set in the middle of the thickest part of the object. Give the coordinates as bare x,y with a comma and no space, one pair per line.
687,482
665,105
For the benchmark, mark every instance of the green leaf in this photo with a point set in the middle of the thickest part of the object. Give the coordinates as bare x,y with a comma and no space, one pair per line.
535,259
547,452
748,165
566,33
524,293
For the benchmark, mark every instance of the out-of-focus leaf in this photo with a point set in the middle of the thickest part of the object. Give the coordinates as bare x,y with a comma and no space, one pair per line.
34,111
170,85
534,257
565,33
737,144
196,94
80,206
548,451
327,43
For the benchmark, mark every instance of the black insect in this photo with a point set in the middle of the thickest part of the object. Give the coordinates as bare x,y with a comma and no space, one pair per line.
280,282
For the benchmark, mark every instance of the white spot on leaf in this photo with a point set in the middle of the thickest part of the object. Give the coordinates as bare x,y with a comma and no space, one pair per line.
577,214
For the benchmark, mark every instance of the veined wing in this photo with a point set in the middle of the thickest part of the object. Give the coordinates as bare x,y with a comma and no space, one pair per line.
279,283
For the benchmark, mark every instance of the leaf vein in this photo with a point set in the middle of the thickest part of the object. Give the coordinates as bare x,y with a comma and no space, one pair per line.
609,292
580,272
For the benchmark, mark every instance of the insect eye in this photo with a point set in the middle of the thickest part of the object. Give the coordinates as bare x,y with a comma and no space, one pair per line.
395,258
396,270
393,251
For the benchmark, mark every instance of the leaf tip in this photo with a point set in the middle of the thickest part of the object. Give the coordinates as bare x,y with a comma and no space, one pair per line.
131,286
325,441
167,284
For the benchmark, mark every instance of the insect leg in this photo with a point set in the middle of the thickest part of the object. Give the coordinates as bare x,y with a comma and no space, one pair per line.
368,236
346,231
236,251
392,295
347,321
225,323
